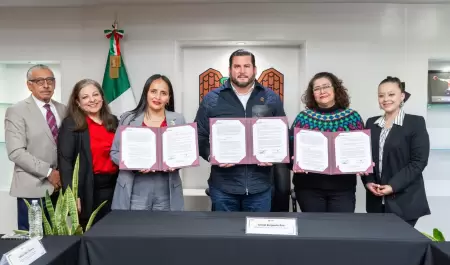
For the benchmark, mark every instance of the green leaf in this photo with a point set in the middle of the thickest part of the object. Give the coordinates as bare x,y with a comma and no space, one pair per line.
47,227
73,210
66,229
64,214
50,209
27,203
75,177
79,231
92,218
58,229
20,232
438,235
429,236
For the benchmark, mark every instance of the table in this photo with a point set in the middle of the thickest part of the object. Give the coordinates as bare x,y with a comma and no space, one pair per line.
142,237
61,250
439,253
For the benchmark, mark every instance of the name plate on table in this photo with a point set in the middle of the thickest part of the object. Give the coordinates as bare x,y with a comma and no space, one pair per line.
271,226
24,254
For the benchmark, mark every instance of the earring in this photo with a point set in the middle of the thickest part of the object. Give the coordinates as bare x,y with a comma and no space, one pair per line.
401,104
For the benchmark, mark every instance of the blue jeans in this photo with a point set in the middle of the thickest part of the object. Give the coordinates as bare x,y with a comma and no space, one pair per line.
226,202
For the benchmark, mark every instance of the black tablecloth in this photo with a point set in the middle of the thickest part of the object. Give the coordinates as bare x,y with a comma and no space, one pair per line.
142,237
439,253
60,250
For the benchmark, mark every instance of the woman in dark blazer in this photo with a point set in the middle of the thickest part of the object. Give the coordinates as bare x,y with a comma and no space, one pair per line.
400,150
88,131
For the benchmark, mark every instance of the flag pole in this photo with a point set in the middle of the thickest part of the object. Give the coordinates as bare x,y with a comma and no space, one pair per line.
115,20
116,84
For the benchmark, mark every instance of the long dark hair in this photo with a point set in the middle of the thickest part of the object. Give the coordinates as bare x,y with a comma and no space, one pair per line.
143,104
341,96
79,116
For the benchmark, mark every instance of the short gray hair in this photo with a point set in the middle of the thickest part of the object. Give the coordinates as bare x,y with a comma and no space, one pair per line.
35,67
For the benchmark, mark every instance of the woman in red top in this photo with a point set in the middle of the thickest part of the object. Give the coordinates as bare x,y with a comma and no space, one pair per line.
88,131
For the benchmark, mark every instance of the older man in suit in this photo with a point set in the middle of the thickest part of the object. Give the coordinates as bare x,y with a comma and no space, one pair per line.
31,130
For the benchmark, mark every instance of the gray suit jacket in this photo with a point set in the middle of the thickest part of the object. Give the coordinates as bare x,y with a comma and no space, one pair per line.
31,147
124,185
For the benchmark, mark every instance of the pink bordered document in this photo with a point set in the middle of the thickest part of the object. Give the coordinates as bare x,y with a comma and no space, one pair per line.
228,141
249,140
269,140
332,153
158,149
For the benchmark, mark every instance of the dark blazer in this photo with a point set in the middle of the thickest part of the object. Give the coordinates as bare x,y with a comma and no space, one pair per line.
70,144
405,156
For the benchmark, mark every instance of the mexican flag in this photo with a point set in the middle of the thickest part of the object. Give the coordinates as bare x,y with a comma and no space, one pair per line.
116,86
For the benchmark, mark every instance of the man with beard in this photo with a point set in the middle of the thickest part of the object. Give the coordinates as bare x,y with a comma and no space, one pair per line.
245,188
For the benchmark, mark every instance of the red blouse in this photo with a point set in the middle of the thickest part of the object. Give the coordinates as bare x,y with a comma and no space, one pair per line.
163,123
101,141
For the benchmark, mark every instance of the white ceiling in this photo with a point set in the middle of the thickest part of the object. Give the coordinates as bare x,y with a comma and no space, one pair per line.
74,3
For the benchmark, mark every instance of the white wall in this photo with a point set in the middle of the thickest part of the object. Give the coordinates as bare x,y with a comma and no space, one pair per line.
361,43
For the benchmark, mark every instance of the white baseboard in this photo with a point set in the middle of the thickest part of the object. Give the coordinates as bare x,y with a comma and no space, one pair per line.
194,192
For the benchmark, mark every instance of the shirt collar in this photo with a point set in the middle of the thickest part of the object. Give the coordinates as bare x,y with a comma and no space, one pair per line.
398,119
251,88
40,103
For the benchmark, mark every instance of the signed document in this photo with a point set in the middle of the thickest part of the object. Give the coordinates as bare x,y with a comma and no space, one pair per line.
353,152
270,141
249,140
228,141
332,153
311,151
138,148
179,146
157,148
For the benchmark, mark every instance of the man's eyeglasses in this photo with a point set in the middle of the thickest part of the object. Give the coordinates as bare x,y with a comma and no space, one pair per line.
41,81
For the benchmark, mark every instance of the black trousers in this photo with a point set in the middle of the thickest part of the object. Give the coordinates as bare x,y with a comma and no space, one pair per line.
104,185
317,200
281,197
412,222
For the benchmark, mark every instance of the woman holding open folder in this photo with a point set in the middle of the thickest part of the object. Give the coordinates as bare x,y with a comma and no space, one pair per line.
400,150
147,189
88,131
327,104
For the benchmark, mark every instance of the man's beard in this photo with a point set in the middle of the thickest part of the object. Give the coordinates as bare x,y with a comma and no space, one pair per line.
243,84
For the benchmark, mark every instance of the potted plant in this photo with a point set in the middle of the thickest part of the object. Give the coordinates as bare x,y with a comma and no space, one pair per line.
66,206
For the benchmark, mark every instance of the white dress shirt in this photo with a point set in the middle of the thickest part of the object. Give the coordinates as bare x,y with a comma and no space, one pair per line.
43,110
243,97
41,107
384,134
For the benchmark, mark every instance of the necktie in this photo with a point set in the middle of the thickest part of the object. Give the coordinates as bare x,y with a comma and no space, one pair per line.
51,121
